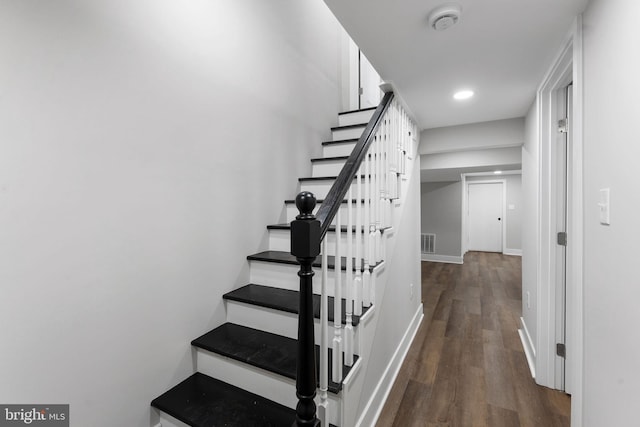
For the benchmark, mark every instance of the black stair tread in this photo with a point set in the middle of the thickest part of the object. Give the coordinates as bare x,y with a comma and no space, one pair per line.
332,228
319,201
282,257
357,110
284,300
328,159
202,401
354,126
264,350
323,178
341,141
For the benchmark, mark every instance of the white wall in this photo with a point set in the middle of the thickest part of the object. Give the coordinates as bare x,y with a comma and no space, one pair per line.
143,148
472,158
493,134
611,153
398,296
530,228
441,214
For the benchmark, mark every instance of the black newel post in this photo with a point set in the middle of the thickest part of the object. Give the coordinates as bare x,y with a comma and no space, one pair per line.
305,246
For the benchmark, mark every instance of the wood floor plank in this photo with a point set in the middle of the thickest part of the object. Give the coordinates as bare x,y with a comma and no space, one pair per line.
412,410
498,377
500,417
466,366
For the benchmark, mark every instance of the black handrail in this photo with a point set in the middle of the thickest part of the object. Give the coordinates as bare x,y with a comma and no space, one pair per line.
307,231
339,189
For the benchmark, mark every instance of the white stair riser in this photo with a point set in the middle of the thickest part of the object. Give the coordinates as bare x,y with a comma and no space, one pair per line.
327,168
258,381
292,212
274,321
355,118
348,133
320,189
334,150
279,240
167,420
285,276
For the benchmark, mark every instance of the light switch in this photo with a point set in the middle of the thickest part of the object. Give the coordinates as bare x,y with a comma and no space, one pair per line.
603,204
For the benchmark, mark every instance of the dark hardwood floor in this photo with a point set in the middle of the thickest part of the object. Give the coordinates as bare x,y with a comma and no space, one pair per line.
466,366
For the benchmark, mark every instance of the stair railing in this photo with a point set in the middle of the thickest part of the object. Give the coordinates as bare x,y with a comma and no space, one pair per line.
371,181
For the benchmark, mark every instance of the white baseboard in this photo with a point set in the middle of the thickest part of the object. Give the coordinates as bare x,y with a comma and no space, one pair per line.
372,410
529,348
514,252
442,258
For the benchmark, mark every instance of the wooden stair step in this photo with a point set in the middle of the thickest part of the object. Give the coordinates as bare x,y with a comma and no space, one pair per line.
202,401
284,300
263,350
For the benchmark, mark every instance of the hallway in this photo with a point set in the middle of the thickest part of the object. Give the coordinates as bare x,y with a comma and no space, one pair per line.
466,366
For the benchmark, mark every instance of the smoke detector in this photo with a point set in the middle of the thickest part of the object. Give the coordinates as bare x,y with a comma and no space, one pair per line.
444,17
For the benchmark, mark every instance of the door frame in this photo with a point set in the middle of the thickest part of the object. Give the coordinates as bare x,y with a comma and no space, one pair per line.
465,207
566,68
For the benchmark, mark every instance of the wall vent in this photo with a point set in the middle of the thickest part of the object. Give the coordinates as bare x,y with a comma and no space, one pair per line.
428,243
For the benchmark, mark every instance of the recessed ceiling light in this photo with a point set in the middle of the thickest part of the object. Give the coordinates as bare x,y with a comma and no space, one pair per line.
497,172
463,94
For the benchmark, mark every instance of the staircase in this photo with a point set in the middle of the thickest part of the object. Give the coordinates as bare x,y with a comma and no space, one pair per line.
246,367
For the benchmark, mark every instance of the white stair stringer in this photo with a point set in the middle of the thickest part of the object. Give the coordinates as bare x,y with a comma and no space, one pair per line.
275,387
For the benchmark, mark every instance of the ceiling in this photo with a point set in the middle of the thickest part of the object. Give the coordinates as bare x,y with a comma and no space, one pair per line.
500,49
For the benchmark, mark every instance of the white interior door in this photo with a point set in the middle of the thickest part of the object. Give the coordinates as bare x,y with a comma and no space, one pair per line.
485,216
370,93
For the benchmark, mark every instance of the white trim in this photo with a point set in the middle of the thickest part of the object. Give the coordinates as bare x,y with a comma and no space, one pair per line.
567,66
493,175
549,369
442,258
463,215
529,349
514,252
428,152
575,292
374,406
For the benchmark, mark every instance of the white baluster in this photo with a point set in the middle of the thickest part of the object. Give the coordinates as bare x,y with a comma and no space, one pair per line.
337,308
366,275
323,405
378,198
348,330
357,282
